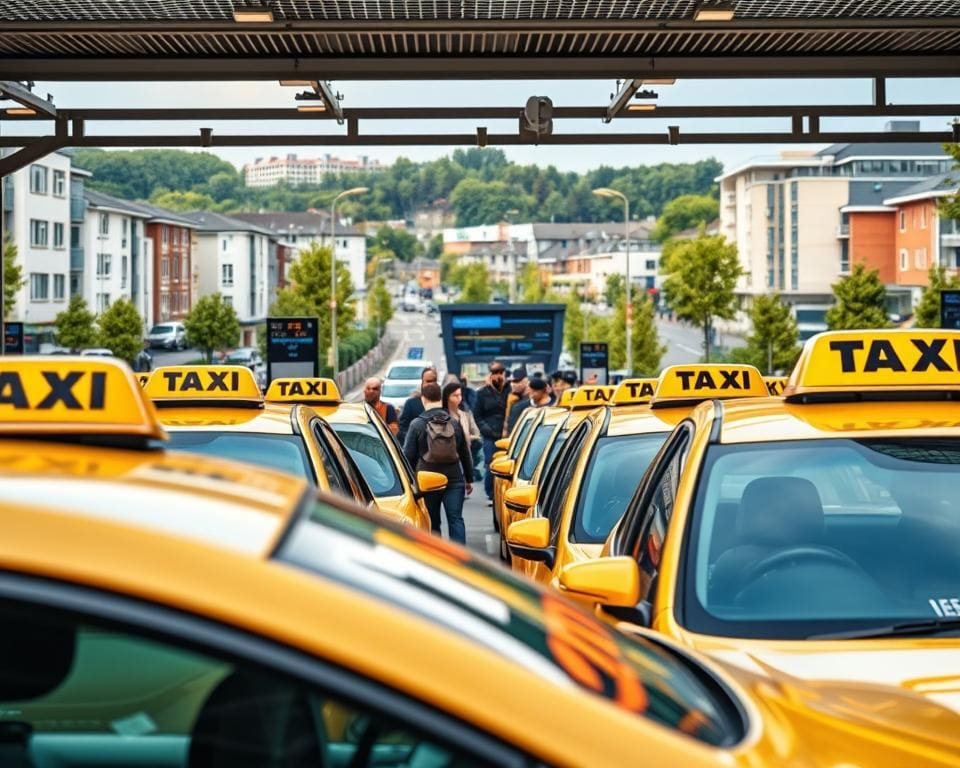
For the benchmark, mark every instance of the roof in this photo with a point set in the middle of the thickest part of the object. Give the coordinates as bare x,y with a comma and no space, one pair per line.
935,186
844,152
866,193
271,419
208,221
100,200
156,213
297,223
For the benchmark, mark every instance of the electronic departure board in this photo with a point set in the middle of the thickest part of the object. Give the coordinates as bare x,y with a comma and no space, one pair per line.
292,347
484,332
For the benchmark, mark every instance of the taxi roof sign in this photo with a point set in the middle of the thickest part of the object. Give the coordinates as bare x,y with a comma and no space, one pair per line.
303,390
707,381
210,385
775,384
634,392
591,396
61,395
566,397
851,364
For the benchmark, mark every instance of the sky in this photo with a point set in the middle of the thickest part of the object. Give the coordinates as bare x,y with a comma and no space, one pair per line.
500,93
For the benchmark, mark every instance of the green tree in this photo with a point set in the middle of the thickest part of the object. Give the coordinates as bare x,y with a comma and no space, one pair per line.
533,285
435,246
404,245
450,268
772,344
13,278
182,201
927,311
701,275
476,285
75,325
685,212
574,324
860,301
211,325
613,289
379,306
121,330
950,205
647,350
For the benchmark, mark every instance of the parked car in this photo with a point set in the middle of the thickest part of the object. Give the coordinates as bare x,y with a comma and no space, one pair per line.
168,336
402,378
252,359
96,352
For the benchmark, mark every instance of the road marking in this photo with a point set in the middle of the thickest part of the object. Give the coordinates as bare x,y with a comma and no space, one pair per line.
691,350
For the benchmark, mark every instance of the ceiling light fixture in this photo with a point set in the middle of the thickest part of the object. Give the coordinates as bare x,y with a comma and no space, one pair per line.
311,108
641,108
298,83
21,111
714,12
253,13
660,81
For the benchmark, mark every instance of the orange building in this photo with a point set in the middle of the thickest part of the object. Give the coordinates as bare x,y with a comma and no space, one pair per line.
922,237
871,240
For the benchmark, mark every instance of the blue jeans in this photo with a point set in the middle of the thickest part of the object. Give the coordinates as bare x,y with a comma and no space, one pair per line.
452,499
489,448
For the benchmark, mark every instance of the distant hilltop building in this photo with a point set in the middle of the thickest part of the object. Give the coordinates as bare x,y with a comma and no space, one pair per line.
294,170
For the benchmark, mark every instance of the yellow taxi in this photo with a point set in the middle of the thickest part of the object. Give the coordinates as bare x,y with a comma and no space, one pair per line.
501,466
775,384
813,541
219,410
600,467
396,488
163,609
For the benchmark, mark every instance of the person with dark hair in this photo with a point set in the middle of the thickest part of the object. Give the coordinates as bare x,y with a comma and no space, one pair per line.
469,394
435,442
518,385
413,407
539,398
489,413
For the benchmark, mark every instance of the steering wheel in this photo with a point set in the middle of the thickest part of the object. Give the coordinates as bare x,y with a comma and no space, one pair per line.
793,555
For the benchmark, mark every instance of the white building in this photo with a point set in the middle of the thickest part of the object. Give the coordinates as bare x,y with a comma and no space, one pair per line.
233,258
303,229
294,171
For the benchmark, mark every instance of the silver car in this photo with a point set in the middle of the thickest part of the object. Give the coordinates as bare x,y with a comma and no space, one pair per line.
168,336
252,359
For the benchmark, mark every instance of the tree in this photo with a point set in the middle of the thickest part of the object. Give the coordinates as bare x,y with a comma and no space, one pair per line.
435,246
75,325
533,286
613,288
950,205
211,325
860,301
927,311
574,325
13,278
404,245
685,212
772,344
647,350
379,306
121,330
476,285
700,277
182,201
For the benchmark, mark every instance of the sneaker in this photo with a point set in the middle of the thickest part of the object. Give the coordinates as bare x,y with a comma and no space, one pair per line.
490,503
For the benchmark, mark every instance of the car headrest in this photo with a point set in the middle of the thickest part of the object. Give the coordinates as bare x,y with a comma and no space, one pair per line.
36,654
780,511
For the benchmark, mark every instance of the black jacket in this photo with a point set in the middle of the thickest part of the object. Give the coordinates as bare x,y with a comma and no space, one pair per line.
489,411
415,446
412,408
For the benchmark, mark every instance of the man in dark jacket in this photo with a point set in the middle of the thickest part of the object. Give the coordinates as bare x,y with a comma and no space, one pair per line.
459,472
413,407
488,413
539,397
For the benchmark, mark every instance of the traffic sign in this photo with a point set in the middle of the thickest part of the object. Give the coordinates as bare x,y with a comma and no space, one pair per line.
415,353
594,362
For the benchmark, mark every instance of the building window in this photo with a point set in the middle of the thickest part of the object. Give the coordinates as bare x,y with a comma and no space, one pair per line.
103,302
104,223
59,184
176,236
165,306
185,302
123,271
224,245
74,236
175,272
104,264
75,283
226,274
651,265
903,221
904,259
59,287
164,267
126,225
38,179
920,258
164,234
923,217
39,286
844,256
58,234
39,233
185,264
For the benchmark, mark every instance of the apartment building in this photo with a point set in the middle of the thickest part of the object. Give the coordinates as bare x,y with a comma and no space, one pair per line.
233,259
300,230
791,217
294,170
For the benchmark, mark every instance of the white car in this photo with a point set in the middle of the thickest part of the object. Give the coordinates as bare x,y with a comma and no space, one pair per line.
402,378
170,335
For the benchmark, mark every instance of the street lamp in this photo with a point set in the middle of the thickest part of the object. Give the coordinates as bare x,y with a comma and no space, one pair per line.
333,273
607,192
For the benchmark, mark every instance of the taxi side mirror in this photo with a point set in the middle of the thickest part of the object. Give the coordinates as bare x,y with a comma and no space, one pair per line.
502,467
502,444
430,481
530,540
497,455
613,581
520,499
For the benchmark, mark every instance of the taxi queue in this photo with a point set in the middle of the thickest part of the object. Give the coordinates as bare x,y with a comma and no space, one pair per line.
762,579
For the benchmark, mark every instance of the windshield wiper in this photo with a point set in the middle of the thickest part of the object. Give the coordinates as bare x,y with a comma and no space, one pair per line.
928,628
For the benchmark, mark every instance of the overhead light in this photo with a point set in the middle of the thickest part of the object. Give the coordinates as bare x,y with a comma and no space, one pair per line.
253,13
298,83
660,81
641,108
714,12
311,108
21,111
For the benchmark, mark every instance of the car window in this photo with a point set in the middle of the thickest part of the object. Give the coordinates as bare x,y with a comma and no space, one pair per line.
555,494
135,699
521,435
335,479
161,329
534,450
405,372
372,456
396,390
354,485
284,452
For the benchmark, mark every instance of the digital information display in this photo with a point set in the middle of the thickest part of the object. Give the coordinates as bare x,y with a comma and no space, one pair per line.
530,333
13,338
950,309
594,362
292,347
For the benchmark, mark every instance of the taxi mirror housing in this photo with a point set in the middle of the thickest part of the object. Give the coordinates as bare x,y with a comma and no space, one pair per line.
520,499
428,482
503,467
497,455
502,444
530,540
613,581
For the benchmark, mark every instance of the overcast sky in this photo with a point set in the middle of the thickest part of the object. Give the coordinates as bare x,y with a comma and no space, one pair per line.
501,93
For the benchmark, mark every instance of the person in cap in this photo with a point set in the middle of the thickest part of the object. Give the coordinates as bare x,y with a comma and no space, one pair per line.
518,391
538,397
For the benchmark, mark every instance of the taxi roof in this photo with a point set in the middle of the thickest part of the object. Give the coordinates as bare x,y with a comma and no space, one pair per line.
640,419
344,413
273,418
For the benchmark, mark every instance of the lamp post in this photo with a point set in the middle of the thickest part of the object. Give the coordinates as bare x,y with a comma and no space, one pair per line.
607,192
333,273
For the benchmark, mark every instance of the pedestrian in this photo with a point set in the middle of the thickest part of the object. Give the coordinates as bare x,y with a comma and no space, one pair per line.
489,412
538,397
518,387
469,394
413,406
436,443
453,401
144,362
371,395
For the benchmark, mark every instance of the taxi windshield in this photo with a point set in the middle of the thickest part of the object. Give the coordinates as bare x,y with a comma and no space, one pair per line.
372,457
283,452
612,476
802,538
535,450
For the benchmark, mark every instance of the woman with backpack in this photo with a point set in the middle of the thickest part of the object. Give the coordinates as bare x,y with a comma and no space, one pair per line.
435,442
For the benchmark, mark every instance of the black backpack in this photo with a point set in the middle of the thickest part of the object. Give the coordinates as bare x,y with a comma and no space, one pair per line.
441,440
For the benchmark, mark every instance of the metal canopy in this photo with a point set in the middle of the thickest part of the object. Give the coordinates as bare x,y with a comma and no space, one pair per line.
483,39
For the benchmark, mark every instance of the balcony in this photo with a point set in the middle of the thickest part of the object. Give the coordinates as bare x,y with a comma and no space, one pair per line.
78,208
843,230
76,258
